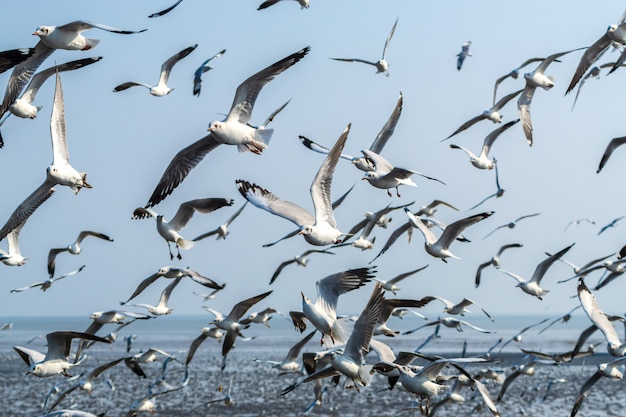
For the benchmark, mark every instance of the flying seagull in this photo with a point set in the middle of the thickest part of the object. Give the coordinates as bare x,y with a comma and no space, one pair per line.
74,248
204,67
165,11
463,54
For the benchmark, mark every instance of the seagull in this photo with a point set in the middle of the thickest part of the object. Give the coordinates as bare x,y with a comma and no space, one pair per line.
613,144
100,318
386,176
44,285
350,361
173,272
205,332
60,172
290,363
482,161
366,225
391,305
161,308
515,73
614,33
499,192
319,230
68,36
495,261
594,72
606,369
391,284
613,223
590,305
439,248
323,312
361,162
74,248
518,336
461,307
450,322
165,11
55,361
241,109
535,79
381,65
488,114
161,88
512,224
301,260
463,54
523,369
563,319
204,67
231,325
13,257
261,317
579,221
23,107
222,230
304,4
169,230
532,286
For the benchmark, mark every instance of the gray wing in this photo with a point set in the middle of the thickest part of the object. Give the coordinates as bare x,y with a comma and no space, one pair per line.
320,187
12,57
52,257
393,237
363,61
205,281
27,207
194,346
180,166
59,343
81,25
393,30
388,129
613,144
247,92
82,235
142,286
129,84
279,270
597,317
316,147
361,336
201,205
294,352
38,79
547,263
400,277
491,137
523,108
242,307
332,286
60,153
453,230
167,66
584,392
504,100
165,11
588,58
266,200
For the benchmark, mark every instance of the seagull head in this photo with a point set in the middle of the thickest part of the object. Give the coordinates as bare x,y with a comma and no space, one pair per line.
213,126
306,230
43,30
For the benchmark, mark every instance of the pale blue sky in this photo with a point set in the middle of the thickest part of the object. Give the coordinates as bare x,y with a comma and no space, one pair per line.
125,140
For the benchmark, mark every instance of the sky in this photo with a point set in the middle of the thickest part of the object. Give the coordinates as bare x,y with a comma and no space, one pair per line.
125,140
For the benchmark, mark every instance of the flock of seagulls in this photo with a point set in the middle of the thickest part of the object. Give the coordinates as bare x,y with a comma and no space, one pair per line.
335,345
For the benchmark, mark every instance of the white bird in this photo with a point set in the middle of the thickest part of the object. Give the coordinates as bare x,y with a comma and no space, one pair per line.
235,130
304,4
499,190
245,97
595,73
55,361
533,286
535,79
512,224
68,36
204,67
323,312
222,230
74,248
495,260
169,230
161,308
205,333
319,229
488,114
450,322
13,257
590,305
609,370
460,308
613,144
482,160
518,336
439,248
386,176
463,54
230,323
23,106
614,33
291,362
161,88
514,74
579,221
165,11
44,285
60,172
382,66
391,285
361,162
301,260
173,272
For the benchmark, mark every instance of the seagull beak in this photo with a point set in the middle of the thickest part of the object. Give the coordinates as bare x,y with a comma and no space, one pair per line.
302,294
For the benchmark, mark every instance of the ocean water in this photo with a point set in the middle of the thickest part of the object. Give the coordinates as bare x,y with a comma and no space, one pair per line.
256,387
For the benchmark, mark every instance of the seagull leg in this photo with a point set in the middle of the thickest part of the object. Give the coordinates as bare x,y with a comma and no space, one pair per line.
178,253
397,192
170,249
389,193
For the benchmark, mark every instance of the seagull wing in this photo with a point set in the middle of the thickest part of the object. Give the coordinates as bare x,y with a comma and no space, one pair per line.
27,207
597,317
81,25
143,285
201,205
242,307
388,129
60,153
180,166
613,144
247,92
332,286
52,257
467,125
279,269
547,263
361,336
584,392
393,30
165,11
453,230
167,66
197,77
588,58
523,108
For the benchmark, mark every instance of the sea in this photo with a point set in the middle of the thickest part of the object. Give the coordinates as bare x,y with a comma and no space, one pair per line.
249,388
